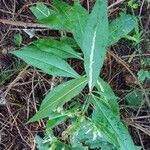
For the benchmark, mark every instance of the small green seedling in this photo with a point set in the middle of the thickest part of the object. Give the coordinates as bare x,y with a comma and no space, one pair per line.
18,39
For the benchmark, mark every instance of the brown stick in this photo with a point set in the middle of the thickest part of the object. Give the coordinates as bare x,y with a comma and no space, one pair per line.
22,24
37,25
116,3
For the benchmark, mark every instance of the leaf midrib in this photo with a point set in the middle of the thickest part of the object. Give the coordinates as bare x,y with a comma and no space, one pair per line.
92,59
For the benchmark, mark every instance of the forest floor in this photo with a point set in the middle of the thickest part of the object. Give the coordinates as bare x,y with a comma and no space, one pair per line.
22,87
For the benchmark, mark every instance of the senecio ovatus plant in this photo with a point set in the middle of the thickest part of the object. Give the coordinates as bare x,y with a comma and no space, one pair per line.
101,128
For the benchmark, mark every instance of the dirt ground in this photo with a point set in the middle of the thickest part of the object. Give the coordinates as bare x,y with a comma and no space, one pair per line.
22,93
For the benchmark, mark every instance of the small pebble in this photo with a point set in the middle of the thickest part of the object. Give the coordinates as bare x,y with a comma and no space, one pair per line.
4,52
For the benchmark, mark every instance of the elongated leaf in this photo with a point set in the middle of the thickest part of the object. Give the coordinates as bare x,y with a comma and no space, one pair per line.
120,27
57,48
49,63
41,11
111,125
108,95
95,41
59,96
81,20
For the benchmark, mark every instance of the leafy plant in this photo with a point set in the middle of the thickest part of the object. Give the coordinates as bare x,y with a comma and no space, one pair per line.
18,39
96,123
142,75
134,98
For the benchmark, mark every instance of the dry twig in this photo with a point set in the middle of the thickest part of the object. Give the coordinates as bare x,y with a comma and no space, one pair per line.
23,24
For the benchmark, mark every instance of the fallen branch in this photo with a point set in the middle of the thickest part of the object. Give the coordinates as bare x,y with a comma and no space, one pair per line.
23,24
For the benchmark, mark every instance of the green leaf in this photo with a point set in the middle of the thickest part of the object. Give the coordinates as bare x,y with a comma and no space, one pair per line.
56,22
62,17
81,17
57,48
60,20
134,98
69,18
48,62
120,27
133,4
74,19
145,61
111,125
59,96
41,11
39,143
18,39
142,75
95,41
88,136
61,7
69,41
55,118
108,95
51,123
51,144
